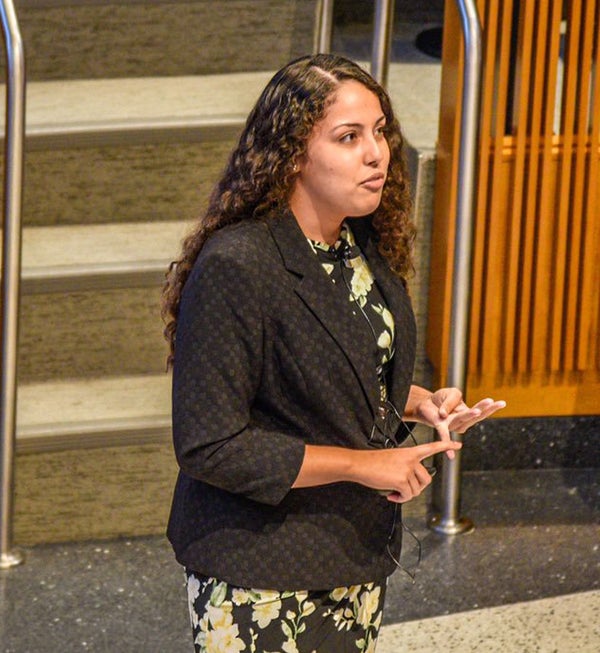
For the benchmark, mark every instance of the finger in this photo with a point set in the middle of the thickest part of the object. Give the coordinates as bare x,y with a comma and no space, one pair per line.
490,409
488,406
418,480
396,497
403,492
443,431
497,405
482,410
452,397
423,476
461,422
429,449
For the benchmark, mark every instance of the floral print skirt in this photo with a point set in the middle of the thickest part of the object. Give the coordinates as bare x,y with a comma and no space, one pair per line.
228,619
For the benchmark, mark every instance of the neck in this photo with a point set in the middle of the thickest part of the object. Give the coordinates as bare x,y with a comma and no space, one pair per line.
314,226
320,235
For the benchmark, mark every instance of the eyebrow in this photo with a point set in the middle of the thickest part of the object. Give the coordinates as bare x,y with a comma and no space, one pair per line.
357,125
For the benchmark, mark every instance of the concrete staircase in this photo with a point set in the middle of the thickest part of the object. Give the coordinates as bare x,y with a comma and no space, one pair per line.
132,108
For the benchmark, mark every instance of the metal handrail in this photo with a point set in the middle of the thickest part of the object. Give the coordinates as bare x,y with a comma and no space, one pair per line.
448,522
11,271
382,35
382,40
324,28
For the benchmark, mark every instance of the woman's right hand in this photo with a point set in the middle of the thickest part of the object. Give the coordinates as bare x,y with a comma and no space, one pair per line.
399,472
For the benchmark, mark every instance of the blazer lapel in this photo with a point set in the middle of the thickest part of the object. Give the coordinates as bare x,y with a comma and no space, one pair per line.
390,285
327,304
396,296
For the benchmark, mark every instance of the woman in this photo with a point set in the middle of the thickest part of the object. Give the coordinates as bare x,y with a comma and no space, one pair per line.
293,342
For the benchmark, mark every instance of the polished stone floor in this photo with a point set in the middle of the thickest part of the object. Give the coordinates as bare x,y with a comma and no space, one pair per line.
526,579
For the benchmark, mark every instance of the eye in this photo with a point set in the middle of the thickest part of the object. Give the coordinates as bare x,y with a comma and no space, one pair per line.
381,131
348,137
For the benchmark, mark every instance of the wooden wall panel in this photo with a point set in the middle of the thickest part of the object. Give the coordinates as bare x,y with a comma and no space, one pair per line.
534,323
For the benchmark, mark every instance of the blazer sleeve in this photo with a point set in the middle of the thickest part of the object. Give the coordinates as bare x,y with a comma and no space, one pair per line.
216,378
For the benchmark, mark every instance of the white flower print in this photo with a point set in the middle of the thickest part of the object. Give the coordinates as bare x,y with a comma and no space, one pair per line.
266,610
338,593
369,601
328,267
289,646
224,639
193,589
377,622
388,318
366,645
361,283
240,596
219,616
387,337
308,608
349,593
385,340
280,621
371,646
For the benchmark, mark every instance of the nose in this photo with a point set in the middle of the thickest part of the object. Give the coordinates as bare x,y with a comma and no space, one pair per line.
375,150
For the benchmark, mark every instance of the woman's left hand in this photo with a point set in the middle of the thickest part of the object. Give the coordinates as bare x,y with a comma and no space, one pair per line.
445,411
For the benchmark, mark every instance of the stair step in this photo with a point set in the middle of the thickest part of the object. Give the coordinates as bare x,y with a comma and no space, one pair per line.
192,108
116,183
90,300
79,39
91,333
84,257
139,110
101,412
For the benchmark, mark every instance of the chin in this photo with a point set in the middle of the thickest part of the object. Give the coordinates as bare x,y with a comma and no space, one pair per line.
364,212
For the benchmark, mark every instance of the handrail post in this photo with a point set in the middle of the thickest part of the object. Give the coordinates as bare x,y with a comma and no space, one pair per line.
382,40
324,31
449,522
11,272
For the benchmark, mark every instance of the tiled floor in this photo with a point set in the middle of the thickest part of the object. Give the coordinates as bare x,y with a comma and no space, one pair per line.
527,579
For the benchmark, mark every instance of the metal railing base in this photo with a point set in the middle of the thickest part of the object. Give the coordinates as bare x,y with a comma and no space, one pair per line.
11,559
451,526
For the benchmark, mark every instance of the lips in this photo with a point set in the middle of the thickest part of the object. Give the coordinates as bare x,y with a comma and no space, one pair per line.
374,182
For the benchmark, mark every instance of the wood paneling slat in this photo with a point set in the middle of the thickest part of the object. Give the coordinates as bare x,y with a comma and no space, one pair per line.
540,324
575,308
495,235
525,305
477,316
588,344
514,219
561,253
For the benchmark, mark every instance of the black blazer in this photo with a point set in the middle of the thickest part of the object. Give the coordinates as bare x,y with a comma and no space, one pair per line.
269,357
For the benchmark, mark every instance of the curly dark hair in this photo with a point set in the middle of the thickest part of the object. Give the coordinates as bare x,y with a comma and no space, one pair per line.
260,173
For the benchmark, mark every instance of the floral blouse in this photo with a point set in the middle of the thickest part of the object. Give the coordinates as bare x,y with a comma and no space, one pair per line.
345,265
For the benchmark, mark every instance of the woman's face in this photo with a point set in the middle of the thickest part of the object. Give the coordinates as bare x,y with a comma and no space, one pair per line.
345,166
